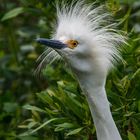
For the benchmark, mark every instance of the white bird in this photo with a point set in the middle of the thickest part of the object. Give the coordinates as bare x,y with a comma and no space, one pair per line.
88,42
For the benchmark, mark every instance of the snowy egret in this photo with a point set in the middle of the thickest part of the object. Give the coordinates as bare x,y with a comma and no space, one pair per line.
88,42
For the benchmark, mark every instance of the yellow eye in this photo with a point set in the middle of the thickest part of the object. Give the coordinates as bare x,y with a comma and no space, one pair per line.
72,43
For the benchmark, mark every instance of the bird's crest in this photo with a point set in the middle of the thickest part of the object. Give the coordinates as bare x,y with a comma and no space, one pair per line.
92,22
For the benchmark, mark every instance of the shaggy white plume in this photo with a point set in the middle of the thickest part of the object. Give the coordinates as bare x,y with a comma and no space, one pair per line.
80,20
88,22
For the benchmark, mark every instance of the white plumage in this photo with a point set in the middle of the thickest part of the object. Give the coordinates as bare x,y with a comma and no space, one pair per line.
96,51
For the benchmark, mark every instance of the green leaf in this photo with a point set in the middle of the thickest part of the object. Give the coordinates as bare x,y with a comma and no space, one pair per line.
28,138
136,74
45,96
45,123
13,13
131,136
10,107
137,129
75,131
32,124
65,125
30,107
74,106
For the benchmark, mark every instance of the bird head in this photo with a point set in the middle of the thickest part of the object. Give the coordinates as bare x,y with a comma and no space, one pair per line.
75,50
85,38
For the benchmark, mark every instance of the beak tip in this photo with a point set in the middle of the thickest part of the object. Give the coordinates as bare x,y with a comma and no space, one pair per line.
37,40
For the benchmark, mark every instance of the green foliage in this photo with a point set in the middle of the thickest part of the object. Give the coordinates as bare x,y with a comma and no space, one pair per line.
59,110
65,109
13,13
131,136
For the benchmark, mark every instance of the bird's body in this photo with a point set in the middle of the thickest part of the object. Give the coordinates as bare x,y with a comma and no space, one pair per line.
90,49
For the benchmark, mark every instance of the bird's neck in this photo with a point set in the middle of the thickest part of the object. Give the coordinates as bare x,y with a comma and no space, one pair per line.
94,90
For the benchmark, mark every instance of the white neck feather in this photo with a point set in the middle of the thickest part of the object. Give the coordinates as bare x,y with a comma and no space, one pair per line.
100,109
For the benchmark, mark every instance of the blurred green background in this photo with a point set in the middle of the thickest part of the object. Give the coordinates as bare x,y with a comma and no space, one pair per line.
52,107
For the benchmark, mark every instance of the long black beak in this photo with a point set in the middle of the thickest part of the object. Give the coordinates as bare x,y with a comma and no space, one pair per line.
51,43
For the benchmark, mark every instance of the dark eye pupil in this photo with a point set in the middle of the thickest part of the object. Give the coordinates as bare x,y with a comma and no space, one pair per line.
75,43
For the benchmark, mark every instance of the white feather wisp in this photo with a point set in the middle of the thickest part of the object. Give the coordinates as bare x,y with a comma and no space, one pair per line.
93,23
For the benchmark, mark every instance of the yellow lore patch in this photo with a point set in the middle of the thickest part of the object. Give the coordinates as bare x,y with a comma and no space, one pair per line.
72,43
